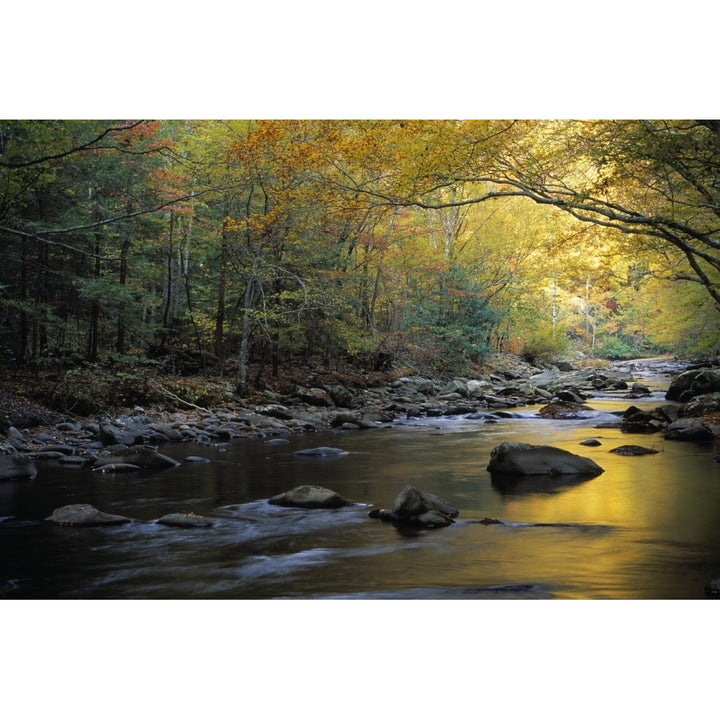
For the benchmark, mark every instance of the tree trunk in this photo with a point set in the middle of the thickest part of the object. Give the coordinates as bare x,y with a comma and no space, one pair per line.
244,353
94,327
219,339
124,250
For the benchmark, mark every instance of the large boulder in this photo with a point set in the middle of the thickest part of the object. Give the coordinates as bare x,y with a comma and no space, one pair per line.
415,507
701,405
85,515
310,496
518,458
692,429
691,383
15,465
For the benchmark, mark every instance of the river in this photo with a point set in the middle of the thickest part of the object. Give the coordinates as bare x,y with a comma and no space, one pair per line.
647,528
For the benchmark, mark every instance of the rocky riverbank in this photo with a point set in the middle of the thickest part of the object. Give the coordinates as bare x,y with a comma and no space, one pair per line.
32,432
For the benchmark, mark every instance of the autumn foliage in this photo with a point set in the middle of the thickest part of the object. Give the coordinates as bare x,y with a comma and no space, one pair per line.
243,246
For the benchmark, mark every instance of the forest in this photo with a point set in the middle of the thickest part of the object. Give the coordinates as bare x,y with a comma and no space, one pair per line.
234,248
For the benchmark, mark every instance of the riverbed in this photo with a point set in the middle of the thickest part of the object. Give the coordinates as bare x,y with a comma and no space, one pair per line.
647,528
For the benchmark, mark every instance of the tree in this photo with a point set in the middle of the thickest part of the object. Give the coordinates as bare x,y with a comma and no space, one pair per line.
74,197
652,180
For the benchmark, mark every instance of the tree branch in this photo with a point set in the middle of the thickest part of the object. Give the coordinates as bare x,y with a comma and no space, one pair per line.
78,148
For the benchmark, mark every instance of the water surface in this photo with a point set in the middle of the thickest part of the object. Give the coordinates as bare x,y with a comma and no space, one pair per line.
648,527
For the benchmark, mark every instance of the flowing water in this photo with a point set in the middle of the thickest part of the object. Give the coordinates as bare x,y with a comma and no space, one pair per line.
648,527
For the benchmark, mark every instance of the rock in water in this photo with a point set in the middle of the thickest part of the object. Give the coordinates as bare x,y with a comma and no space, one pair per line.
712,589
85,515
140,455
518,458
321,452
14,465
631,450
692,429
415,507
310,496
185,520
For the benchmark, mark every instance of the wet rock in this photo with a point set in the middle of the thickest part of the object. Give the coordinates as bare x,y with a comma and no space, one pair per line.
85,515
692,429
631,450
47,455
71,460
168,433
140,455
310,496
691,383
639,388
341,396
15,465
671,412
322,451
196,459
546,379
457,387
277,411
569,396
415,507
591,442
701,405
562,411
477,388
314,396
57,448
15,437
112,434
356,419
184,520
643,421
518,458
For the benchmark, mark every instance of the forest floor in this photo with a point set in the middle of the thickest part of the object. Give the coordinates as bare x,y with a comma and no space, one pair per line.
32,399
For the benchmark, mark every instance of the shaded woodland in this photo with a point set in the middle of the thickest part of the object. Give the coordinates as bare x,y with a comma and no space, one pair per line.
238,247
